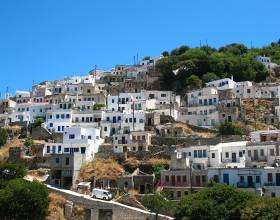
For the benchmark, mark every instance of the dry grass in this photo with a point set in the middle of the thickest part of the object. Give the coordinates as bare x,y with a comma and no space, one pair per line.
258,110
4,151
78,213
101,169
189,131
157,162
56,207
38,175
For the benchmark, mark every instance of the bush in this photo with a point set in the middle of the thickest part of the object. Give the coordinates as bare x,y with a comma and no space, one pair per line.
158,204
28,142
11,171
217,202
3,136
38,121
21,200
97,106
228,128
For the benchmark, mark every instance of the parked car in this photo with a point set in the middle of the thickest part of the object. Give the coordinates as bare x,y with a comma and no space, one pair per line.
101,194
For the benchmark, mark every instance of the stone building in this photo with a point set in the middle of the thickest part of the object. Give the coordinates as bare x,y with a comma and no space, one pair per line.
139,181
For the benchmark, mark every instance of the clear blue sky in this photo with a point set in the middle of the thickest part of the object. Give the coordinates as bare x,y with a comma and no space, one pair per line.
49,39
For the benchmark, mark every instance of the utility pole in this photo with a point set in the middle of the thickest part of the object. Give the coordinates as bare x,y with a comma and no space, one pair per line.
133,115
190,162
254,106
95,66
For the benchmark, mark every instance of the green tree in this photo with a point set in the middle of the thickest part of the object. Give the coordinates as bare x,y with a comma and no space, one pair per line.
22,199
228,128
235,49
38,121
194,82
98,106
146,58
209,77
3,136
217,202
157,170
158,204
28,142
262,208
165,53
180,50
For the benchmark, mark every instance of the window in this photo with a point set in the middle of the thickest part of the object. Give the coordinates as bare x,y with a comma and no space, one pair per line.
273,194
213,155
67,115
204,153
249,153
66,150
89,137
162,95
271,152
71,136
57,116
241,179
203,178
195,153
48,149
56,160
227,155
178,179
67,161
166,178
184,178
178,194
105,128
83,150
262,152
258,179
59,148
269,177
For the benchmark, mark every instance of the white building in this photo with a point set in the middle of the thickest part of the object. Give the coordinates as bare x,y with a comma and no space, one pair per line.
201,108
264,181
124,141
27,112
22,96
267,62
57,120
221,84
84,141
114,121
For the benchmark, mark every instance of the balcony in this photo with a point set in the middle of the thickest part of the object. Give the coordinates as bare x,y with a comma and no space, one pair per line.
122,142
245,185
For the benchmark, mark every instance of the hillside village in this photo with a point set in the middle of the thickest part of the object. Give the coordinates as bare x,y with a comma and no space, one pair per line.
120,130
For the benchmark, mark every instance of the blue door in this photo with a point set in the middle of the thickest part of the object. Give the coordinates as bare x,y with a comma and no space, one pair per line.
226,178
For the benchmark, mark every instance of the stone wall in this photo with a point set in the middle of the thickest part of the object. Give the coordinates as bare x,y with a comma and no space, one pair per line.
192,141
113,210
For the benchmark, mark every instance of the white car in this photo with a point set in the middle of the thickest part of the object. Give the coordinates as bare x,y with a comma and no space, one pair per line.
101,194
